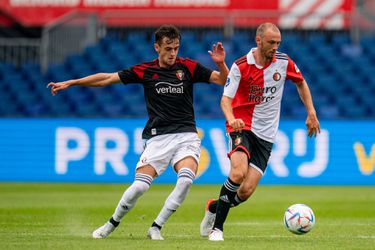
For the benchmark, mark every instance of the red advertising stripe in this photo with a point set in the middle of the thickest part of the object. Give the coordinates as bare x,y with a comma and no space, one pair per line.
240,12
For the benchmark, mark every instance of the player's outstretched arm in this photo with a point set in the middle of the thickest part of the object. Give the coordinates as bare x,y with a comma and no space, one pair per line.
96,80
312,122
218,56
226,106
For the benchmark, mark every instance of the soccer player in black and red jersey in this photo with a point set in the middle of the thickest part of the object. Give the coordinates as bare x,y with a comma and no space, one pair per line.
170,133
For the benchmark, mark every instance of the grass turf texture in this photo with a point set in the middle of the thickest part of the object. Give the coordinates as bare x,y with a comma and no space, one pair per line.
63,216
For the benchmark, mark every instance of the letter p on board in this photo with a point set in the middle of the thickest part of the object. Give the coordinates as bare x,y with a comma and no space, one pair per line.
65,154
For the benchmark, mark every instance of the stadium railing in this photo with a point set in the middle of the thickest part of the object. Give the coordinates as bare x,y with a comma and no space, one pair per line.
18,51
69,34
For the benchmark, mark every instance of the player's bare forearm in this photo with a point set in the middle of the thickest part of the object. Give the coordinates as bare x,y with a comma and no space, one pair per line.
224,71
96,80
305,95
312,122
226,106
220,77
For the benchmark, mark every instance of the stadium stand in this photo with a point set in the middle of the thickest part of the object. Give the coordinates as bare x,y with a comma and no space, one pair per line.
340,75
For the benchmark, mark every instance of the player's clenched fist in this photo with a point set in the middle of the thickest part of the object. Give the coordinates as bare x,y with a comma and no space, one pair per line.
237,124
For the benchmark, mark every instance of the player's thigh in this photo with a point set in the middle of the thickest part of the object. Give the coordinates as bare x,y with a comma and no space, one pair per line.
187,152
157,154
147,169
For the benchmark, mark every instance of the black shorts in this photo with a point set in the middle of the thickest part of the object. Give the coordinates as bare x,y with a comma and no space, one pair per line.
258,150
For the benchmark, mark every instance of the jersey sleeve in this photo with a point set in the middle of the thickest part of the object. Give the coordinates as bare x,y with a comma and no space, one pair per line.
131,75
233,81
201,73
198,72
293,73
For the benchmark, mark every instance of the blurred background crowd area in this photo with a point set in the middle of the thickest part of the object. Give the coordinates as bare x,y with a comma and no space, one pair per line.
332,42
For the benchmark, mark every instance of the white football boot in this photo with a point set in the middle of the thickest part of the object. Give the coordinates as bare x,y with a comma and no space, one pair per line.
216,235
208,220
103,231
154,233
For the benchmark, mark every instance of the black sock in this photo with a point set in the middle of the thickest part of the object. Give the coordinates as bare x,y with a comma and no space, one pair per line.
213,206
154,224
113,222
227,194
236,201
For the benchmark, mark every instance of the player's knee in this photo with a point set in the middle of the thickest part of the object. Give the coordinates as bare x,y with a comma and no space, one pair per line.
141,183
185,178
185,183
141,187
179,193
246,191
237,176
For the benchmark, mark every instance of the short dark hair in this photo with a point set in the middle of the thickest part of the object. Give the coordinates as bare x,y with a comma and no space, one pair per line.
169,31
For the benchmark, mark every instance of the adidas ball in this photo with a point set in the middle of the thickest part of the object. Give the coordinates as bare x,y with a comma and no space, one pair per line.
299,219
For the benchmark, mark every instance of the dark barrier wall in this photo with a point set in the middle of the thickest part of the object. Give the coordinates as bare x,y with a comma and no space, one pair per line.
106,150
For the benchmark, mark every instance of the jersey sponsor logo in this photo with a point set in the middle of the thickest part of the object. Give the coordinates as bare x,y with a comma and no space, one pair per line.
256,93
180,74
276,76
169,88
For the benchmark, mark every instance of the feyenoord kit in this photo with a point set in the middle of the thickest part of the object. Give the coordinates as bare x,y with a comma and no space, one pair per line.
257,92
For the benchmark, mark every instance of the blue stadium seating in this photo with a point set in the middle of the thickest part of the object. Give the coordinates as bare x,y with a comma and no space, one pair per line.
339,73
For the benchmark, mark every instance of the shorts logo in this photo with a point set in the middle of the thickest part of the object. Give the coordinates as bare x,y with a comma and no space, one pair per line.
276,76
180,74
238,141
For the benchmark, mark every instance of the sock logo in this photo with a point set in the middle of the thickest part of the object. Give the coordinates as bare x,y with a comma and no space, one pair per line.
224,198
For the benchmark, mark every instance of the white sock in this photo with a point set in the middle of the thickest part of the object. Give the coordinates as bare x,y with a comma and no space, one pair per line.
178,195
140,185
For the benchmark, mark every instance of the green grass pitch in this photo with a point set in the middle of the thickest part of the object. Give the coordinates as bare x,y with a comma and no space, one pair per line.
63,216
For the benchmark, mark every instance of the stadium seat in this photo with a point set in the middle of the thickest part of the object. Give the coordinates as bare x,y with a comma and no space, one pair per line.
339,73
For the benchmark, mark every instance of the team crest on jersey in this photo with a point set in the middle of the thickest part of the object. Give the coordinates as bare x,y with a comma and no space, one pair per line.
276,76
238,140
180,74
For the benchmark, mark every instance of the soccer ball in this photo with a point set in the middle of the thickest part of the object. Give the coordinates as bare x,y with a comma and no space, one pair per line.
299,219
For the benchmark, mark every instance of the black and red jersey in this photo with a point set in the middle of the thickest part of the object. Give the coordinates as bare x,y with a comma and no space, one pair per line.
168,93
